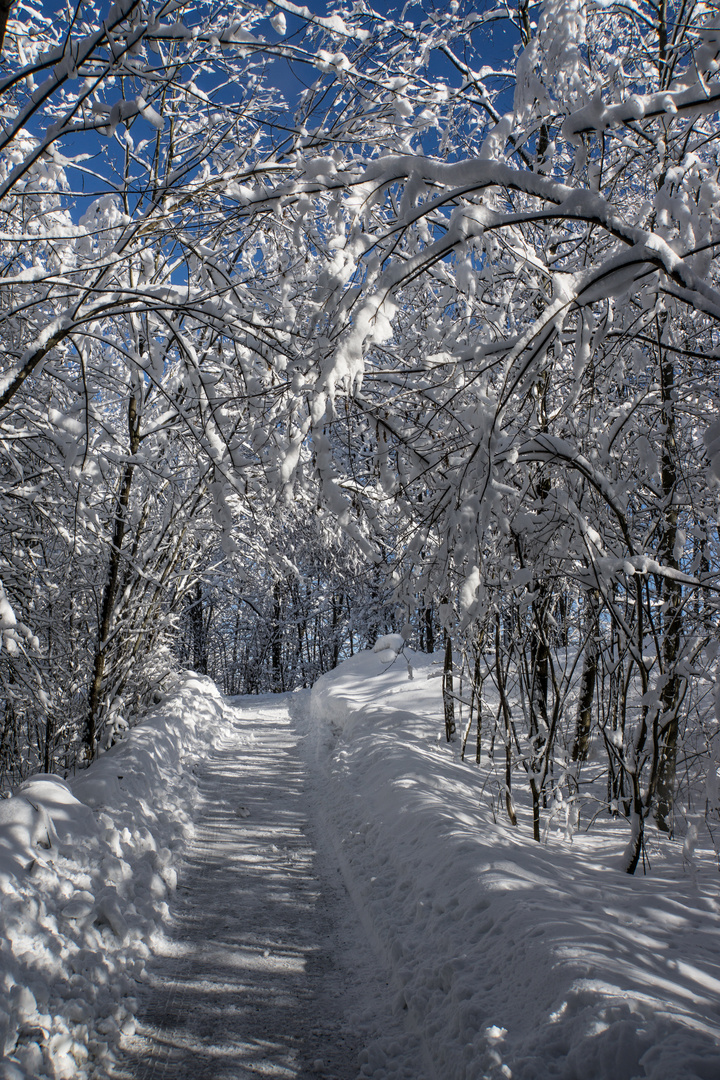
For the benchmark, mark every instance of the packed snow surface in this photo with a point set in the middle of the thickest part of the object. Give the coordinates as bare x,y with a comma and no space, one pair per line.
314,884
263,971
514,959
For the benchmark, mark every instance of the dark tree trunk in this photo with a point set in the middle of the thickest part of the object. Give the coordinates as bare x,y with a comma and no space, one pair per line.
429,632
671,592
538,713
5,9
583,720
276,645
448,691
199,634
507,719
111,581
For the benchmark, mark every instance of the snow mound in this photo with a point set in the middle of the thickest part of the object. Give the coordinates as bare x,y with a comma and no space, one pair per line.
359,687
86,867
509,959
389,643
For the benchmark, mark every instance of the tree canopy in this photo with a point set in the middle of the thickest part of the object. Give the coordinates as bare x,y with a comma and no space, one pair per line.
319,326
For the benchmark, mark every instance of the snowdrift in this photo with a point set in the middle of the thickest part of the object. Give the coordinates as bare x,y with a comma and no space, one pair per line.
85,869
510,959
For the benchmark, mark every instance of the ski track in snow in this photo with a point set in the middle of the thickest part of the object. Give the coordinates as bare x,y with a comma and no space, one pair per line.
266,971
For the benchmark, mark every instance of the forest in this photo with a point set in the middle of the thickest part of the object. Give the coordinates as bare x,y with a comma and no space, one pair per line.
322,326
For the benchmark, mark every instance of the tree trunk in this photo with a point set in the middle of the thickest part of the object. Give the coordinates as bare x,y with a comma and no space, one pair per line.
583,721
276,645
477,695
672,618
429,631
509,806
111,581
447,686
633,760
538,698
49,735
197,623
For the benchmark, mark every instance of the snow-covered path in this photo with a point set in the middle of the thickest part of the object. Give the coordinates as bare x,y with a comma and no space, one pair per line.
348,906
249,986
265,974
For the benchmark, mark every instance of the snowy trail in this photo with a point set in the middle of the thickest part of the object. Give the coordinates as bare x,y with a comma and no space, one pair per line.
349,907
265,974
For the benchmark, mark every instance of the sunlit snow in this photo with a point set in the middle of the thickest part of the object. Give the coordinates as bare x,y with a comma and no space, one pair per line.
498,957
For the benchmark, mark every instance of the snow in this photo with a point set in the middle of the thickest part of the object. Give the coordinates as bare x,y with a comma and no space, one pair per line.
512,959
479,954
86,868
279,23
389,643
700,98
259,955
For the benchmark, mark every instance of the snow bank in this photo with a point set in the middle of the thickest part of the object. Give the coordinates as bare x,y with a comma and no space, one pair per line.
394,643
85,869
509,959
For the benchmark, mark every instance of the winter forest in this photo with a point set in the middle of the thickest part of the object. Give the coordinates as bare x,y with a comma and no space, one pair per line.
322,326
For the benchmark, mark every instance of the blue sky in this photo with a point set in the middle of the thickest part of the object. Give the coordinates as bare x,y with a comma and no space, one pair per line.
489,44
